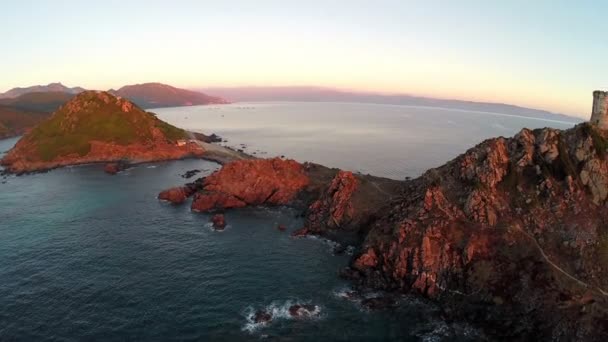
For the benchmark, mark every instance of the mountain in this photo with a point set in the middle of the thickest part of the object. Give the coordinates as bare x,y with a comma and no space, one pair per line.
46,102
51,87
319,94
21,113
511,236
98,127
14,121
156,95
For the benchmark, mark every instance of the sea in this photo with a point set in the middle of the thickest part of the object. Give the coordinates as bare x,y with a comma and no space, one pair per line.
85,256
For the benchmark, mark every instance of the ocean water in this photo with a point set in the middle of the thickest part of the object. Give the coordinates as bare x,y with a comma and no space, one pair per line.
88,256
385,140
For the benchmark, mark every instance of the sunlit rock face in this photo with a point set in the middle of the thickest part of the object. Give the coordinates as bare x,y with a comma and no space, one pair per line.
514,231
251,182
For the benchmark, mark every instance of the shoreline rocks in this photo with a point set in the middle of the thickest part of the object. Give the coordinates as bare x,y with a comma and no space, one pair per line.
219,221
114,168
509,235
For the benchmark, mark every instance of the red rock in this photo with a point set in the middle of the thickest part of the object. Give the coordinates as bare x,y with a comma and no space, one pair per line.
207,201
262,317
252,182
366,260
219,221
300,232
282,227
303,310
111,168
175,195
334,208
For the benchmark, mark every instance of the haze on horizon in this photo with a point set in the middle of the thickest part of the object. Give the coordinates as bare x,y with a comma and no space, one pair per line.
542,54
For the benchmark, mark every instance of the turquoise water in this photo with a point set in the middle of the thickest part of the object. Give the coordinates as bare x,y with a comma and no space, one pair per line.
88,256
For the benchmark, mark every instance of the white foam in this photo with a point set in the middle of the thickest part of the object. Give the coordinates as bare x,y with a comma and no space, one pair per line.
209,225
279,311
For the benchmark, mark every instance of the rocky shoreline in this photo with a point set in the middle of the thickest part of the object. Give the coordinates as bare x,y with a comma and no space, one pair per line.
510,236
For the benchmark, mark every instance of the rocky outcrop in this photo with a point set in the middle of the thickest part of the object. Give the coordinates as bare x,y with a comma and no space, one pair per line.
114,168
511,233
175,195
334,208
303,310
219,221
262,317
251,182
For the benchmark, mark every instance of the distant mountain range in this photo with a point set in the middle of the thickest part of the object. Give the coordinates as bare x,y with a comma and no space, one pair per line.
51,87
156,95
23,108
319,94
146,95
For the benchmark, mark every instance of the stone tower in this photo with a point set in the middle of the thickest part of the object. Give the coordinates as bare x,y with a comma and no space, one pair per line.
599,114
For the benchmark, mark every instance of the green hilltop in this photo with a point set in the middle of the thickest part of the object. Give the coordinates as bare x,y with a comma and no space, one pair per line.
97,116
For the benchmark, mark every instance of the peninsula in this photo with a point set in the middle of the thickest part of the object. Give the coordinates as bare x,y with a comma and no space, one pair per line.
510,236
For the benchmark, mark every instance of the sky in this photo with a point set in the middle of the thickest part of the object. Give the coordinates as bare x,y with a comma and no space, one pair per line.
542,54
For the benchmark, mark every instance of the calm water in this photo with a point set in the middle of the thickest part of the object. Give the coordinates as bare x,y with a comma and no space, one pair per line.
87,256
384,140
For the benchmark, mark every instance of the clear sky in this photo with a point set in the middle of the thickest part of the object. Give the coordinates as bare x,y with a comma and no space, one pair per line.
536,53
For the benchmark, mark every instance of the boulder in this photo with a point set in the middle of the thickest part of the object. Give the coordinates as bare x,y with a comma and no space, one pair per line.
262,317
303,310
111,168
219,221
300,232
175,195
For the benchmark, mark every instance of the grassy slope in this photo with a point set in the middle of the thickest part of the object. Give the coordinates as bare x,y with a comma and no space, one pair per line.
67,133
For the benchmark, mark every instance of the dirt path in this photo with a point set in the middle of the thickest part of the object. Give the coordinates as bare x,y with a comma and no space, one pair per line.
555,266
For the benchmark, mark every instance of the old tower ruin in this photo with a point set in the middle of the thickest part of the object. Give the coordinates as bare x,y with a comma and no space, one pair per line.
599,114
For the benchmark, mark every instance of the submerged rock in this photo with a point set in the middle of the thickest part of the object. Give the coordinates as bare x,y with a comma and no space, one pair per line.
114,168
303,310
262,317
219,221
378,303
300,232
190,173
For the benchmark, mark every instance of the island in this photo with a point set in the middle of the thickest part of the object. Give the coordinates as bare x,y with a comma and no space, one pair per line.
23,108
98,127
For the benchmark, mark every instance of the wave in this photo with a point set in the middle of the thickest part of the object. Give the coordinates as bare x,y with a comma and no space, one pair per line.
278,310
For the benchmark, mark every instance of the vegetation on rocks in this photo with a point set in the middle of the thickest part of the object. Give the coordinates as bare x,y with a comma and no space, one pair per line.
94,127
96,117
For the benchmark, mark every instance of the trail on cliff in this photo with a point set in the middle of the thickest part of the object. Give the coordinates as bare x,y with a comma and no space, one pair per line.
555,266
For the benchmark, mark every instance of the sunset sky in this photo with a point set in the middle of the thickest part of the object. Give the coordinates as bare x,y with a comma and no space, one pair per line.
542,54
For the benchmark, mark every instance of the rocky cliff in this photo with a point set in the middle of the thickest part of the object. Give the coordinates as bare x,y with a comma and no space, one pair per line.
512,235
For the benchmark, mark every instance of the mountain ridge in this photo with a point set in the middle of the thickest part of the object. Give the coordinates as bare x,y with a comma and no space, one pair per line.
322,94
